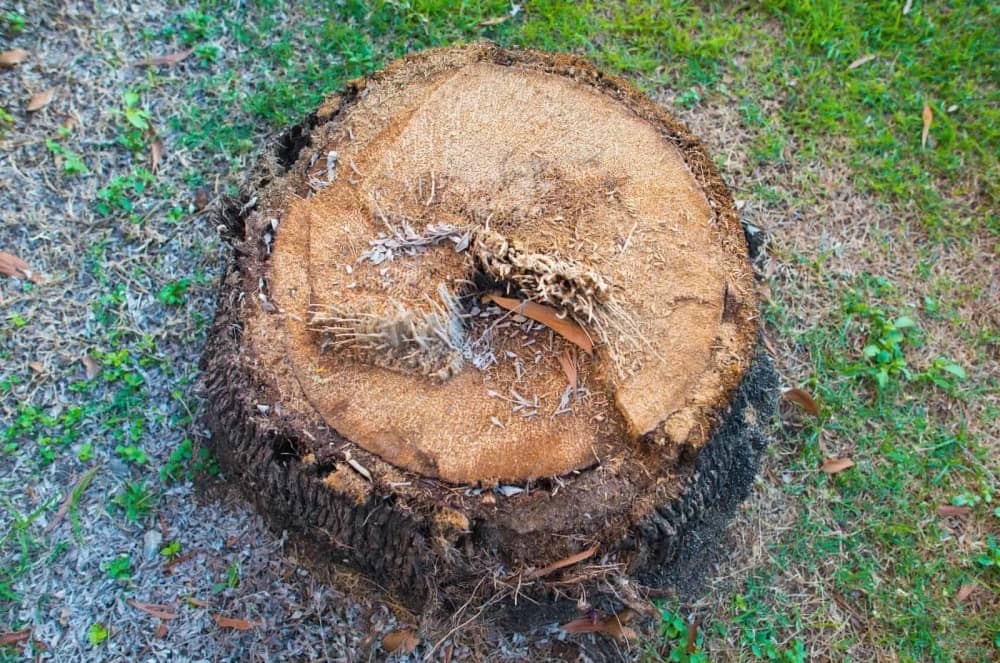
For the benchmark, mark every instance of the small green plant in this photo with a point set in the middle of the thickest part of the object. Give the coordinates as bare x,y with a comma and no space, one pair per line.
97,633
138,125
116,195
14,22
883,356
674,629
991,558
85,452
172,294
171,550
132,454
72,163
135,500
17,320
120,568
688,99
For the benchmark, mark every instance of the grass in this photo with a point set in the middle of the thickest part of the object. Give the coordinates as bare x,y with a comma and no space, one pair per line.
893,333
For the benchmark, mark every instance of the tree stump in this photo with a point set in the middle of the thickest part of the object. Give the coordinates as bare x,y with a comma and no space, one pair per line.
489,327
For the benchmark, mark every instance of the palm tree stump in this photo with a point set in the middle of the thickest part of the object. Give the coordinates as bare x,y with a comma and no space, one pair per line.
489,326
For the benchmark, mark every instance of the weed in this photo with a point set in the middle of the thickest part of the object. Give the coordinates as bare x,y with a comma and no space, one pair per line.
117,195
97,634
135,501
171,550
132,454
72,163
13,22
172,294
120,568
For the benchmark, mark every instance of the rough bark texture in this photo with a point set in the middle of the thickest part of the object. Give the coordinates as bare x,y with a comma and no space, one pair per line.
432,544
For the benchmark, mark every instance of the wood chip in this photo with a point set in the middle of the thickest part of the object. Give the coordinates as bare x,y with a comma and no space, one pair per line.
154,609
13,57
14,267
803,399
40,100
169,59
951,511
836,465
548,316
614,626
234,623
14,637
563,563
91,366
863,60
404,641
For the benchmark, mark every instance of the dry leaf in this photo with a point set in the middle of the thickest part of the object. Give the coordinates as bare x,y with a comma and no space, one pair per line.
614,626
836,465
803,399
154,609
14,637
403,640
863,60
169,59
91,366
69,123
548,316
40,100
964,592
563,563
234,622
949,511
155,154
493,21
928,119
190,600
568,363
13,57
36,366
11,265
692,636
161,630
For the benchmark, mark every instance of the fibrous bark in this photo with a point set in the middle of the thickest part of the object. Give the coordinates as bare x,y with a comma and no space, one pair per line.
363,392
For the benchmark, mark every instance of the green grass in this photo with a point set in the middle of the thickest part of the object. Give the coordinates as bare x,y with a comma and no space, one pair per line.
868,537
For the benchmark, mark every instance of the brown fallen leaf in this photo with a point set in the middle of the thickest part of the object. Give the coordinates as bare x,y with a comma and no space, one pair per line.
168,59
614,626
90,365
803,399
950,511
154,609
14,637
161,631
863,60
40,100
69,123
199,603
836,465
36,366
563,563
234,623
692,636
404,640
568,363
13,57
548,316
11,265
155,154
964,592
928,119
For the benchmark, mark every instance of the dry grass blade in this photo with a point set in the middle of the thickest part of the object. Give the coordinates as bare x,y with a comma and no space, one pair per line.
154,609
169,59
40,100
928,120
13,57
155,154
14,637
563,563
949,511
404,640
568,363
548,316
803,399
73,494
836,465
863,60
234,623
11,265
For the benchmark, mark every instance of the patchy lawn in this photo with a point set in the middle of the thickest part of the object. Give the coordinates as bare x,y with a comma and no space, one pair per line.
863,138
